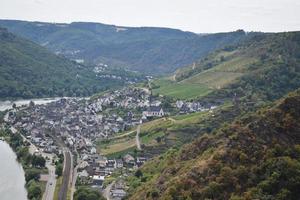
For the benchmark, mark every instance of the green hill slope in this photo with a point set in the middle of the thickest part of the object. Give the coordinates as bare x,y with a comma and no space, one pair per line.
145,49
28,70
267,65
255,157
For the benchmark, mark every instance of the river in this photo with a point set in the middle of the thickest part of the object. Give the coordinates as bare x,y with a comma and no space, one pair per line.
4,105
12,179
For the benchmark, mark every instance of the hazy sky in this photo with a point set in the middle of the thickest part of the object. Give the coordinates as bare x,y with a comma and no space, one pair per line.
200,16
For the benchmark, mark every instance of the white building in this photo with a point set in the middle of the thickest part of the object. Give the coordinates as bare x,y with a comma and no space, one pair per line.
154,111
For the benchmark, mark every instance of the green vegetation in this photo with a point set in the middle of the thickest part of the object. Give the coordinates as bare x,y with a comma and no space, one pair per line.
147,50
86,193
112,147
28,70
59,165
255,157
260,69
33,165
179,90
161,134
34,190
245,154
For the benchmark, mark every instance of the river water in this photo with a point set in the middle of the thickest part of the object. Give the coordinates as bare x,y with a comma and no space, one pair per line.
4,105
12,179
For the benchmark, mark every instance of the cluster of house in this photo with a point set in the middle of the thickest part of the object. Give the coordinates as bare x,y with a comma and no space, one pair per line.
189,107
103,71
117,192
129,98
94,168
81,121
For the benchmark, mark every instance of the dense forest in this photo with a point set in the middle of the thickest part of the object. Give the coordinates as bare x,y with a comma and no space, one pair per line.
28,70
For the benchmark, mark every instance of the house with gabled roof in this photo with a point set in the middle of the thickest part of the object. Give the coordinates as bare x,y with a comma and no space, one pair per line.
154,111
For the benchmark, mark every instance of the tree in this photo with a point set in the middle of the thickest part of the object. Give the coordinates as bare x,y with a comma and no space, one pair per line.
85,193
34,190
32,174
138,173
38,161
58,169
158,139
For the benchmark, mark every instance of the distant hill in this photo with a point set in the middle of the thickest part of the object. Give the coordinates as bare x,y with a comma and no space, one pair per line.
145,49
254,157
264,67
28,70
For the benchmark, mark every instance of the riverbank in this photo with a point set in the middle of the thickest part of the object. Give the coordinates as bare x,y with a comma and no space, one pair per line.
32,165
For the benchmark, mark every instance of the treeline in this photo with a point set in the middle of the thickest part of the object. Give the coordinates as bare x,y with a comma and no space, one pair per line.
87,193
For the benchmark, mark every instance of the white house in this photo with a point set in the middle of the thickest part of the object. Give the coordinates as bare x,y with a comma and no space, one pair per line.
154,111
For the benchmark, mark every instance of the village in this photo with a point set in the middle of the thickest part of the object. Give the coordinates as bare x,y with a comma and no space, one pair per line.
78,123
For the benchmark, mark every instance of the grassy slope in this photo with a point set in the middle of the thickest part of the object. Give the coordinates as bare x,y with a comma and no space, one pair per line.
249,66
180,90
255,157
218,76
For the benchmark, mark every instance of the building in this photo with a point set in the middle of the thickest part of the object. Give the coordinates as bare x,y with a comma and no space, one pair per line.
118,193
98,180
154,111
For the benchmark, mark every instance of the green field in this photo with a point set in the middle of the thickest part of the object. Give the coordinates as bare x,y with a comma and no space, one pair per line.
204,82
108,147
222,74
180,90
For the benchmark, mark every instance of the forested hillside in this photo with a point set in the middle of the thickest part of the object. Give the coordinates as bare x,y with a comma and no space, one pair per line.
145,49
28,70
255,157
247,150
262,68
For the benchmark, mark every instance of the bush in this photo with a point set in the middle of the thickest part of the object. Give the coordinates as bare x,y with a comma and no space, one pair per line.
32,174
85,193
58,169
38,161
34,190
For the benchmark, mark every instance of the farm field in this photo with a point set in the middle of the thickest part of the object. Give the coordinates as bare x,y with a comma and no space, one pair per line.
180,90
